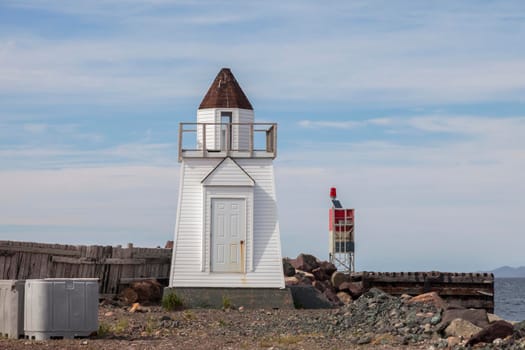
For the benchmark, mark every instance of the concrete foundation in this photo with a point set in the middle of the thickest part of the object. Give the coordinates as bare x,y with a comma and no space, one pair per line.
217,298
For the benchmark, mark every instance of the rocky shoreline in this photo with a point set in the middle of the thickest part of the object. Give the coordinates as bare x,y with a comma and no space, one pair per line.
374,320
353,319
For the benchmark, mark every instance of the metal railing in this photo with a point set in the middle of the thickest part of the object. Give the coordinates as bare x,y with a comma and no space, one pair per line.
227,139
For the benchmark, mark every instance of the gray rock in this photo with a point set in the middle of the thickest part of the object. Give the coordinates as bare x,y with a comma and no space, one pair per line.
519,330
435,319
364,340
307,297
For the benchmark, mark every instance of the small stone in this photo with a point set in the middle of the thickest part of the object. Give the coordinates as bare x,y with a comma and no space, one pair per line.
84,342
405,297
427,328
436,319
364,340
109,314
241,308
453,341
497,341
165,318
134,308
442,343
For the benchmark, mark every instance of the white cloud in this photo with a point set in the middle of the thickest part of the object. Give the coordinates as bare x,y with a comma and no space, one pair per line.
415,57
448,204
329,124
101,201
25,157
35,128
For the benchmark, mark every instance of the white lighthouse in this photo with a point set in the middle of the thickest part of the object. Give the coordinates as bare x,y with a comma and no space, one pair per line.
227,230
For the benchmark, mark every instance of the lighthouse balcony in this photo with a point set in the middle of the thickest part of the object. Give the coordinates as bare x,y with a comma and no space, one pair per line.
219,140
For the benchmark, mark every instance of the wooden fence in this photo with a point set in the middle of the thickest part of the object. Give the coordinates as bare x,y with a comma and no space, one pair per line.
113,266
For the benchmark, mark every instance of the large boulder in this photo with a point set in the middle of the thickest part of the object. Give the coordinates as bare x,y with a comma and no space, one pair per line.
498,329
308,297
461,328
355,289
288,269
338,278
319,285
431,298
493,318
320,275
291,281
324,271
344,297
145,292
477,317
305,278
328,268
305,262
332,296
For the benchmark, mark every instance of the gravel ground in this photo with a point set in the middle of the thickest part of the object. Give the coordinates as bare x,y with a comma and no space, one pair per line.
214,329
374,321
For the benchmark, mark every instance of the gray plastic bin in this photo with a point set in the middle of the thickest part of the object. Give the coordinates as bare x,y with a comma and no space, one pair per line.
12,308
60,308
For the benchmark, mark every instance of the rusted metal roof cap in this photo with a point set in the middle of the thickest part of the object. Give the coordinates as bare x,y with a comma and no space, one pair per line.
225,92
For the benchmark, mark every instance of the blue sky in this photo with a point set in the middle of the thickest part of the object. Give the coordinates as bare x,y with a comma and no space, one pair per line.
414,110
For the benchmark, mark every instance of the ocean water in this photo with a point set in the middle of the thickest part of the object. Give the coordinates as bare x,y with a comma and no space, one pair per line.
509,298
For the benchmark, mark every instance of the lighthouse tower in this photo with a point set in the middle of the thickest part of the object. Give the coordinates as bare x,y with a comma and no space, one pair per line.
227,231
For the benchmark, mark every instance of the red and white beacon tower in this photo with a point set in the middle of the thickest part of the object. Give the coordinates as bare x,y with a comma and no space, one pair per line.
341,231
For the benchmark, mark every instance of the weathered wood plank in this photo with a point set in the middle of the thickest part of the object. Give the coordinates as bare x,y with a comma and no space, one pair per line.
39,250
38,260
68,260
123,261
398,277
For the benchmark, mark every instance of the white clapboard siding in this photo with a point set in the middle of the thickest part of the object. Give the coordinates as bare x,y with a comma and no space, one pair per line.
208,115
242,139
240,133
228,173
191,249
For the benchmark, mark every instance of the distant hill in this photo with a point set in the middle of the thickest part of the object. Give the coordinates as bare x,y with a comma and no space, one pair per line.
509,272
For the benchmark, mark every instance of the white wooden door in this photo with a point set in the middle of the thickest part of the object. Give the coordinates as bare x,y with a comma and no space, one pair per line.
228,234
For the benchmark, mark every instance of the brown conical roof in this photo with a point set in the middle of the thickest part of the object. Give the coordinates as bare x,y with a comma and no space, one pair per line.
225,92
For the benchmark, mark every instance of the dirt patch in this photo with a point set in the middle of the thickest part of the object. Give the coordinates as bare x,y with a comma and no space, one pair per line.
154,328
